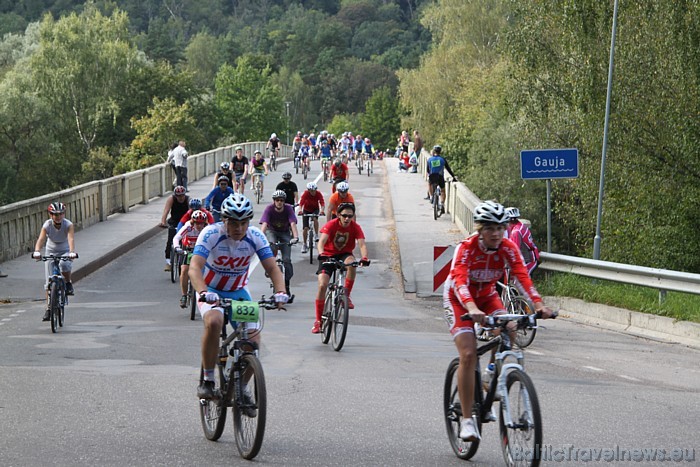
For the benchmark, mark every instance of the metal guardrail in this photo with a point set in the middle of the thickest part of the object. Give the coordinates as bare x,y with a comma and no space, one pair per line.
94,202
460,202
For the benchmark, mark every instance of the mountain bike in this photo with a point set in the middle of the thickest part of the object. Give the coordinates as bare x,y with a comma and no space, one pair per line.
311,234
176,260
278,257
239,373
257,187
360,162
520,420
191,293
325,162
336,316
369,167
297,162
435,201
57,298
273,159
517,304
305,167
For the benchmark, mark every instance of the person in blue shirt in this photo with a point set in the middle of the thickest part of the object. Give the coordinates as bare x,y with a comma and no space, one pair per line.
435,169
217,196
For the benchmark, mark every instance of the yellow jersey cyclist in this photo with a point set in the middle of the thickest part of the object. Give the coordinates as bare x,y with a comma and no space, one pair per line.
220,267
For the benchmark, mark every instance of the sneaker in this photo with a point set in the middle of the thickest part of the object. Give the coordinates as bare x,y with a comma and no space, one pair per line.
492,416
350,304
207,390
291,299
304,248
248,408
317,328
46,316
183,301
69,288
427,198
167,267
468,431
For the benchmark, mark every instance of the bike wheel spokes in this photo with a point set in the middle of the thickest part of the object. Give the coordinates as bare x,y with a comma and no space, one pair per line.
53,306
521,306
520,422
250,413
326,319
453,415
213,412
341,318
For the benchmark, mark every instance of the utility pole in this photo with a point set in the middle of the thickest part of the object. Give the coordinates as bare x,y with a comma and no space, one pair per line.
287,104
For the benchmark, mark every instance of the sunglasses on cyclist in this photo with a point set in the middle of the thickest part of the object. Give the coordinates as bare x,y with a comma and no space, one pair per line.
347,216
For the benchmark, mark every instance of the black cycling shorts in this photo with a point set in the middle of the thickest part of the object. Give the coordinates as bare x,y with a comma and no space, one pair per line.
437,179
329,269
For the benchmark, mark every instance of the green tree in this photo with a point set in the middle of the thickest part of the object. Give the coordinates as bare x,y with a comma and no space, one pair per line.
204,55
381,121
248,102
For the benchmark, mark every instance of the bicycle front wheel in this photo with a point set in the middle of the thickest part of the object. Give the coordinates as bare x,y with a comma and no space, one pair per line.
173,264
341,318
193,301
61,307
249,415
521,306
521,430
327,318
454,414
212,412
257,194
53,306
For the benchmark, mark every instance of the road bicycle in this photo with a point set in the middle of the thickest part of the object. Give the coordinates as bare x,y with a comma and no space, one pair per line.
336,317
520,420
305,167
435,201
176,260
56,297
369,169
257,187
278,257
360,163
311,234
297,162
240,381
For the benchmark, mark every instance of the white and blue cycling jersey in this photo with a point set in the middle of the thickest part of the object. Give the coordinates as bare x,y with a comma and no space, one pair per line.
228,260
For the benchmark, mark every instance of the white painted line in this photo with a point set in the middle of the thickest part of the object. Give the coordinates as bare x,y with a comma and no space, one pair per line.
6,319
534,352
21,311
629,378
593,368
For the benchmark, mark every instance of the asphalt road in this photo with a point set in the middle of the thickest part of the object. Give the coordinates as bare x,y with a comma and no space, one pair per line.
116,385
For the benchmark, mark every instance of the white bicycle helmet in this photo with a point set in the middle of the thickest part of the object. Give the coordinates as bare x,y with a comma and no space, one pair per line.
342,187
311,186
237,207
490,211
279,194
512,212
273,136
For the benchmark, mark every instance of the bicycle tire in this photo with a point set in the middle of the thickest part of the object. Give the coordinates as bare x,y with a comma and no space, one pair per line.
368,170
193,301
453,413
521,306
310,238
53,306
359,168
212,412
325,173
341,319
528,419
257,194
326,318
249,431
305,171
436,207
173,264
61,307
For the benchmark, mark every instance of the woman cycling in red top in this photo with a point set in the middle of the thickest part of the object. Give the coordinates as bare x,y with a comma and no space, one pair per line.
478,262
339,173
185,238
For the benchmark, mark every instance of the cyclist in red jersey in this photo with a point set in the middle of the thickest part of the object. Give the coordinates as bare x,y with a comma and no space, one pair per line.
337,241
185,238
478,262
339,173
311,202
520,234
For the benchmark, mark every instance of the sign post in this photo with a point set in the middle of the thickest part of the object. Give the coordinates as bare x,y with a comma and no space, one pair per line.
546,164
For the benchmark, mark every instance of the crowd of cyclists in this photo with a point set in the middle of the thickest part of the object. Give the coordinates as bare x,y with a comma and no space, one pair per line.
218,242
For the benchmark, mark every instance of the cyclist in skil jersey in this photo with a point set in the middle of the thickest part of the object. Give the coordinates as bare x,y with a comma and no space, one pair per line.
478,262
219,268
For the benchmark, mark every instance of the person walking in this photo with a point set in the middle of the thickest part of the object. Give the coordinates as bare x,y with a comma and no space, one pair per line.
178,156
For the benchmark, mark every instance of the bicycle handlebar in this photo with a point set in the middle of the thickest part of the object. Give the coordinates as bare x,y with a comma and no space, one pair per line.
341,264
501,321
61,258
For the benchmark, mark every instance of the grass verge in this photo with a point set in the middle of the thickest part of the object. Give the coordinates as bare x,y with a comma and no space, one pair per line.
676,305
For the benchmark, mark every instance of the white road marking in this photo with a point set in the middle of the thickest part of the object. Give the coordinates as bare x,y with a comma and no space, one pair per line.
629,378
593,368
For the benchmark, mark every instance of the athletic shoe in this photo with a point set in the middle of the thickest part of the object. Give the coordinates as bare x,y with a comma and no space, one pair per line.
183,301
248,408
69,288
167,267
207,390
350,304
304,248
468,430
317,328
46,316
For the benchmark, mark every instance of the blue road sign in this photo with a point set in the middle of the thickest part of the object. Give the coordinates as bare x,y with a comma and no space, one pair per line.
538,164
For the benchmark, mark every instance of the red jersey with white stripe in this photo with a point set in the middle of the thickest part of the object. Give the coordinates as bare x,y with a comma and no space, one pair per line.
520,234
187,236
475,270
228,260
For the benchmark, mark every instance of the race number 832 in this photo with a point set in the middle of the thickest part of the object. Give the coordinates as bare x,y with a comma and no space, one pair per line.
248,312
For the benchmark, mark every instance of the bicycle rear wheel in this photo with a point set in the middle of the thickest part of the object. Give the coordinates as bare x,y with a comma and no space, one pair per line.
250,428
213,412
436,207
53,306
522,442
453,413
341,319
521,306
327,318
173,264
